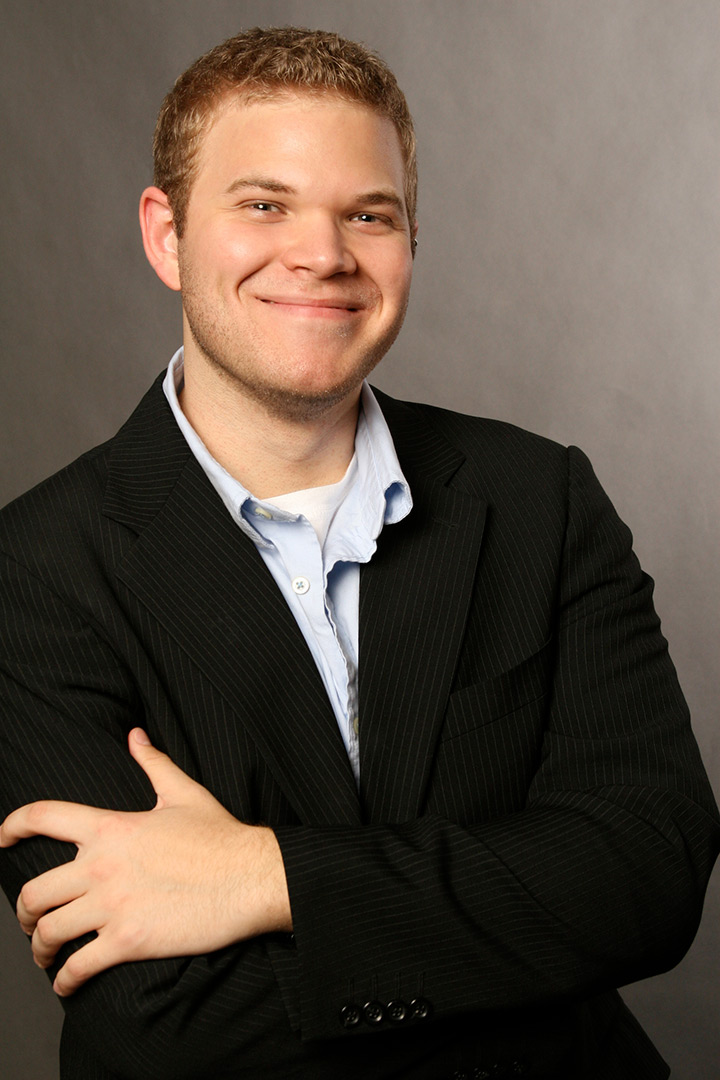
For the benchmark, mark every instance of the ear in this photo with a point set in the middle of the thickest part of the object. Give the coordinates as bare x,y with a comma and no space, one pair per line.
159,239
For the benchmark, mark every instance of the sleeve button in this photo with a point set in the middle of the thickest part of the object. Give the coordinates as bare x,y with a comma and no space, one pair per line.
373,1012
420,1009
397,1011
350,1016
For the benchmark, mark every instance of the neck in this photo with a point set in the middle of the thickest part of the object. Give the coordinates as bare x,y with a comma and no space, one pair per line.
269,454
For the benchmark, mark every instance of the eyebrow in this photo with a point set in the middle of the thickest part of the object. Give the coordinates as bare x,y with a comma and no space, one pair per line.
263,182
381,197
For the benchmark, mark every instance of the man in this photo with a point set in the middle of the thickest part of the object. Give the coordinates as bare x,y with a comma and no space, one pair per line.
410,785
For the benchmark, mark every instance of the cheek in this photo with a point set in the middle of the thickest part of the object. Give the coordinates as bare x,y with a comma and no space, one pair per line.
226,256
244,255
395,285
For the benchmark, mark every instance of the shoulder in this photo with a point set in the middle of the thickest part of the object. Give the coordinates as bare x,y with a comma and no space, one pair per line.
70,494
464,430
66,513
494,452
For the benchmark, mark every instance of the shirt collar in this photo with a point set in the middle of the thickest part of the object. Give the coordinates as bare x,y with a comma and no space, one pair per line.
386,493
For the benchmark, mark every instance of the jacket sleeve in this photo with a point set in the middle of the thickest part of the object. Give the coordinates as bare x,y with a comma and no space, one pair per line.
598,880
67,703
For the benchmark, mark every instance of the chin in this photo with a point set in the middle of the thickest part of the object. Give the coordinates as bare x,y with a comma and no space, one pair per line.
303,404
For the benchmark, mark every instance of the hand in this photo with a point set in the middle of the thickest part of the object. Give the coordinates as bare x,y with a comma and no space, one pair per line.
181,879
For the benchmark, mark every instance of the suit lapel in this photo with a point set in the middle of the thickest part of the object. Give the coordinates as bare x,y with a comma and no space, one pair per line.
208,587
206,584
414,600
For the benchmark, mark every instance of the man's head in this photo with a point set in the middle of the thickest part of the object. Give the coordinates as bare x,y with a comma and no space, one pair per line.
260,64
283,211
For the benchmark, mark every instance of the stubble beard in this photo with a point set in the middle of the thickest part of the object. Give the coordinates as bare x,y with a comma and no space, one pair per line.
224,354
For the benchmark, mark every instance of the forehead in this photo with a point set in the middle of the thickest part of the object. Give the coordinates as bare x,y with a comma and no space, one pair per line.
294,129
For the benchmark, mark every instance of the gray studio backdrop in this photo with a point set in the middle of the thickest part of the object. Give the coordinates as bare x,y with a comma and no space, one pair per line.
566,279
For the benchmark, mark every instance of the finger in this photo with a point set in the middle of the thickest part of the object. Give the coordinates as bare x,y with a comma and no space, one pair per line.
50,890
60,820
60,926
171,784
98,955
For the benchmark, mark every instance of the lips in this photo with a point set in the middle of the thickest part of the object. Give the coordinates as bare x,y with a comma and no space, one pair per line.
314,304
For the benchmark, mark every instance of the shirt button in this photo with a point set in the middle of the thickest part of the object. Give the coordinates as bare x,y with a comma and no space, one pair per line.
262,512
356,725
300,585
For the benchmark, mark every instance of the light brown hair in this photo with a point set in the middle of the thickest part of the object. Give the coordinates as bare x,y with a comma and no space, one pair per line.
263,62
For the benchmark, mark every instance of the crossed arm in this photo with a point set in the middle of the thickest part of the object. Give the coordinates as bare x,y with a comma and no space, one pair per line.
595,881
181,879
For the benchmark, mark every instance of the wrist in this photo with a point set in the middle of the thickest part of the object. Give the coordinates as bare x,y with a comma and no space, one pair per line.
271,900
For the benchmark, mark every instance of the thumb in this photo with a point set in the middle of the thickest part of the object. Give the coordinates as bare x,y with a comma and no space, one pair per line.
171,784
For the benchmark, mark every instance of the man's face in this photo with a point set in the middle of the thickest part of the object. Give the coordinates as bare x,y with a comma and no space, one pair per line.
295,262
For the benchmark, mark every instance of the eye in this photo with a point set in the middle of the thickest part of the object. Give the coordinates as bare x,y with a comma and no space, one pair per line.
260,211
373,222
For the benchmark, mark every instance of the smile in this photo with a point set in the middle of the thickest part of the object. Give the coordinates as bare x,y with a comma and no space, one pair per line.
328,309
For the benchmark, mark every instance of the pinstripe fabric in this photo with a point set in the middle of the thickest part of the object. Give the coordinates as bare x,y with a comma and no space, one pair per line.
534,825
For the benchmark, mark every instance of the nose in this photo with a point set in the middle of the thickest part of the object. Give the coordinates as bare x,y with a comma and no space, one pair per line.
319,245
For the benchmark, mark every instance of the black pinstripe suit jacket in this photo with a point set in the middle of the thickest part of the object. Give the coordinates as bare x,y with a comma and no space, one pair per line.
534,826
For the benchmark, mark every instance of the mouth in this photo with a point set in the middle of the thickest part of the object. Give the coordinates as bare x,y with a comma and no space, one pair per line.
328,307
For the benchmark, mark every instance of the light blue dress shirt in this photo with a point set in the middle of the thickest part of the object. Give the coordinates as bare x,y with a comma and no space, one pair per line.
319,575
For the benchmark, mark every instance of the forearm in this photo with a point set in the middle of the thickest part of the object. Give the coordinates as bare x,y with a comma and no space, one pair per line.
135,1016
579,894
